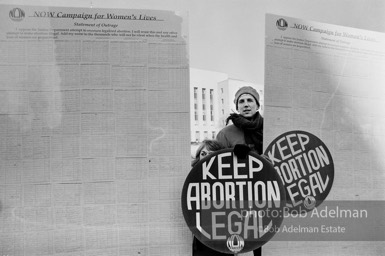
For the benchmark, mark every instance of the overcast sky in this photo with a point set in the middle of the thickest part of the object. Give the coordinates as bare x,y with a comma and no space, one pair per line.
228,35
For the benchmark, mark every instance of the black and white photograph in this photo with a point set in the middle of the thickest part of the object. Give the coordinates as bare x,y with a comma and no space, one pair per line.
202,127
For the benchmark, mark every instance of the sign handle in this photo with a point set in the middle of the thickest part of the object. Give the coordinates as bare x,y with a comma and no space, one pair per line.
260,253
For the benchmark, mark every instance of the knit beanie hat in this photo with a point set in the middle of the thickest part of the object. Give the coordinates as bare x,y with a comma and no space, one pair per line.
246,89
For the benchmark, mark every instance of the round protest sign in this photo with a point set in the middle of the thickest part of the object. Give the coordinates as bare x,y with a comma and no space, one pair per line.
305,167
233,205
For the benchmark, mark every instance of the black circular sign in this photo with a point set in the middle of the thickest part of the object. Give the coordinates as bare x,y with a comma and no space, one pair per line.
305,167
233,205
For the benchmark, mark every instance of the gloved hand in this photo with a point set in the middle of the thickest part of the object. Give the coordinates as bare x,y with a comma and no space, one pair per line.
241,151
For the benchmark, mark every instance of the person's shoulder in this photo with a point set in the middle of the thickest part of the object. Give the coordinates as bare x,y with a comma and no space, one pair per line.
229,131
230,136
229,128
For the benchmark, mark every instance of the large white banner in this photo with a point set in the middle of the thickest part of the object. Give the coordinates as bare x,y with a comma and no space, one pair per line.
329,81
95,134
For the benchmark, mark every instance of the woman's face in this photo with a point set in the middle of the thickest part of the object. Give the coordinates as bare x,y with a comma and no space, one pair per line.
204,152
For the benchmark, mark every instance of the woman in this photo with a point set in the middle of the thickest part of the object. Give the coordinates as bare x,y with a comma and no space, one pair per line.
205,149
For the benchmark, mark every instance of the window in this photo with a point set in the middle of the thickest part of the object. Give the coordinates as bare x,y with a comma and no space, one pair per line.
195,103
197,135
211,105
204,104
